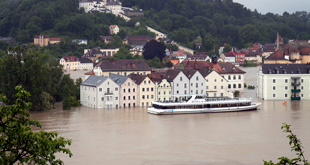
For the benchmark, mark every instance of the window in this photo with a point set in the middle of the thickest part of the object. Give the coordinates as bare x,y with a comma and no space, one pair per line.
197,92
273,95
196,85
102,98
285,95
143,97
274,87
124,97
116,98
149,82
286,87
185,85
100,89
239,85
207,80
152,96
191,91
144,82
214,80
147,89
201,84
229,86
147,96
164,92
214,87
177,91
180,78
129,90
302,95
158,93
143,89
239,77
191,84
229,77
128,97
152,89
108,98
214,94
134,97
234,86
185,92
222,87
197,78
124,90
302,80
302,87
128,83
234,77
222,80
177,85
286,80
116,89
134,89
274,80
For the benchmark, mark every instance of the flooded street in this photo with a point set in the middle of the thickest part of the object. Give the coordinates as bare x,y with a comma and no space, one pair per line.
132,136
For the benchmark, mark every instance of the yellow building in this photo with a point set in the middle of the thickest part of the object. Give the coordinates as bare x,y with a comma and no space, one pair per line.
41,40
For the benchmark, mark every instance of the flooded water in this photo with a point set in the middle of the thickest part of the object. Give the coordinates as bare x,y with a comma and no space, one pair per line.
132,136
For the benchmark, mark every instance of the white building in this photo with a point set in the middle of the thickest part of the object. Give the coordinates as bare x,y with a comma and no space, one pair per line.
99,92
86,64
80,41
284,82
216,85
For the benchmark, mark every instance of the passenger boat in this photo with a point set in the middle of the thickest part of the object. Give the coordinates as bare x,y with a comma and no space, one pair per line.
197,104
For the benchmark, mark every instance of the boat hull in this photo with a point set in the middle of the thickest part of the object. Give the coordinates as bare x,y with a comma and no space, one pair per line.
155,111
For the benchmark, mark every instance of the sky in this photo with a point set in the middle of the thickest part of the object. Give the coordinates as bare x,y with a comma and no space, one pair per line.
276,6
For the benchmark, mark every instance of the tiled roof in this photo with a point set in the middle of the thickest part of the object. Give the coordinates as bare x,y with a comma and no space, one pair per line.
278,55
229,54
124,65
92,52
219,67
94,81
55,39
305,51
90,73
70,58
118,79
137,78
37,36
155,77
189,73
86,60
170,75
286,68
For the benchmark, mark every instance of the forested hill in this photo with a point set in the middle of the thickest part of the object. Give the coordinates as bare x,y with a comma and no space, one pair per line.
211,22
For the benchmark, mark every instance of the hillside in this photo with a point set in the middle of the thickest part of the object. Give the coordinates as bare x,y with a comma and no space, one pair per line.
212,22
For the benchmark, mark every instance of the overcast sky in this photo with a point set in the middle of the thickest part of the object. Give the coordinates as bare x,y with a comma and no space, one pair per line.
276,6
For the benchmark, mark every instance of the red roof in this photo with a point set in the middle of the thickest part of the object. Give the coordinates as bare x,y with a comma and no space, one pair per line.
71,58
55,39
90,73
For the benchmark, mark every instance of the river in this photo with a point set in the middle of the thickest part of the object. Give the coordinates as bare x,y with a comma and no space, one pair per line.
132,136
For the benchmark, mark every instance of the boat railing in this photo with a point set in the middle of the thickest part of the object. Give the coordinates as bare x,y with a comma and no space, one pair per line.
205,99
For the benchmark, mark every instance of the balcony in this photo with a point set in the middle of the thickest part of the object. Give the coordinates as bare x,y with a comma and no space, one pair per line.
295,98
295,90
108,93
295,84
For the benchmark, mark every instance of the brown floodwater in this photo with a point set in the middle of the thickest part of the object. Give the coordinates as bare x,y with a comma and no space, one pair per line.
132,136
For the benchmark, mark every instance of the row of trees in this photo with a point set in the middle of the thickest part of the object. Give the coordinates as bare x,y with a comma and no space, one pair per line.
40,74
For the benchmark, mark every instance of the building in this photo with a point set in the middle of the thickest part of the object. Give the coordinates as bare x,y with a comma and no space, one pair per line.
106,39
96,53
86,64
284,82
196,83
7,39
216,85
146,89
162,86
115,6
92,5
122,67
137,40
70,63
136,50
180,83
99,92
80,41
44,40
41,40
229,57
114,29
233,74
128,92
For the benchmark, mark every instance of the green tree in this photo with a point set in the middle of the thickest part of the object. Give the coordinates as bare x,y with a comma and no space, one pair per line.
295,146
227,48
18,143
123,53
154,49
236,93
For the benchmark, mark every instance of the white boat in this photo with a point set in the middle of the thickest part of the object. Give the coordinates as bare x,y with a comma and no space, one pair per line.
198,104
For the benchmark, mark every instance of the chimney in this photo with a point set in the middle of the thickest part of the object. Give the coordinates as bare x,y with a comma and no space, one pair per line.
278,38
214,59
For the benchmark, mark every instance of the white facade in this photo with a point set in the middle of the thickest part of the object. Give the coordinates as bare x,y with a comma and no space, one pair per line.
86,66
197,84
181,85
216,86
164,90
235,82
93,5
99,92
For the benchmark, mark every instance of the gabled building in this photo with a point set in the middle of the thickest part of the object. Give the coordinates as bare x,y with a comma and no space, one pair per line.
114,29
86,64
70,63
128,90
197,83
122,67
146,89
93,54
284,82
44,40
99,92
106,39
137,40
163,87
180,83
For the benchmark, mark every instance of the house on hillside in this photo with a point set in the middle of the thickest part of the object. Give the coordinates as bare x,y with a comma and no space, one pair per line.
80,41
114,29
86,64
70,63
137,40
44,40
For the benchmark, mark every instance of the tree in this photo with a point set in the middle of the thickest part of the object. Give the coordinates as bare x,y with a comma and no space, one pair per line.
236,93
154,49
227,48
123,53
18,143
297,147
